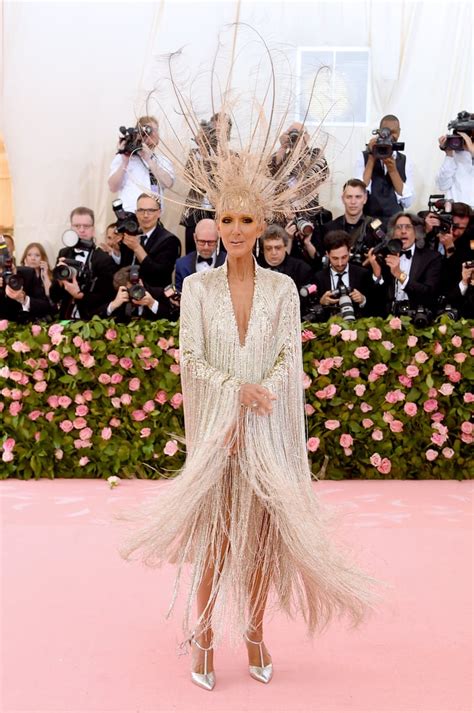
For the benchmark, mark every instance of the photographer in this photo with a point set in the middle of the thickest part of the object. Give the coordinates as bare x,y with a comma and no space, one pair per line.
137,167
134,300
386,172
408,273
87,284
152,247
274,242
342,278
22,297
456,175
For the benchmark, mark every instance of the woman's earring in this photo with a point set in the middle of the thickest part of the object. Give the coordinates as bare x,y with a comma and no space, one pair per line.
257,248
218,245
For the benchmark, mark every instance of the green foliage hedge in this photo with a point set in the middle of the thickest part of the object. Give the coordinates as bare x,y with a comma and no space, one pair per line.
98,399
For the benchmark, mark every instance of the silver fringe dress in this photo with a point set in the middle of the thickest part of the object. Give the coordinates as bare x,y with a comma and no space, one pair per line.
243,501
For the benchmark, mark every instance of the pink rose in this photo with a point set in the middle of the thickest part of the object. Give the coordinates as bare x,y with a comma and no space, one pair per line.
377,434
175,368
85,347
431,454
111,390
438,439
126,363
34,415
385,466
387,417
421,357
375,459
49,416
79,423
15,408
432,393
367,422
466,438
468,398
412,341
410,408
112,359
430,405
176,400
388,345
437,417
104,378
338,361
332,424
460,357
352,373
405,381
134,384
446,389
330,391
79,399
106,433
365,407
40,386
3,352
349,335
9,444
116,403
145,432
396,426
111,334
37,436
313,444
54,356
139,339
307,335
170,448
148,406
334,330
16,394
7,456
3,324
466,427
447,452
449,369
45,348
116,378
38,375
35,330
455,377
64,401
58,453
161,397
380,369
87,360
391,397
437,349
456,341
138,415
362,352
20,347
83,461
66,425
309,409
374,333
126,399
346,440
115,422
395,323
73,370
439,427
442,329
412,370
163,344
82,410
360,389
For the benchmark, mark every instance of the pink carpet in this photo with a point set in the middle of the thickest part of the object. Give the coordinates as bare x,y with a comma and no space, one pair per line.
83,631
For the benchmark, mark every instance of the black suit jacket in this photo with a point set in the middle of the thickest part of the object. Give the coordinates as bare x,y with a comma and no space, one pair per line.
163,249
40,306
359,279
424,281
99,291
187,266
128,311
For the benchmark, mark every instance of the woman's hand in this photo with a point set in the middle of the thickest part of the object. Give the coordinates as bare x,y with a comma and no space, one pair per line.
257,398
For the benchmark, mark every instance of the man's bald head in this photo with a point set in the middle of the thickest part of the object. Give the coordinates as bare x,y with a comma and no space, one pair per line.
205,237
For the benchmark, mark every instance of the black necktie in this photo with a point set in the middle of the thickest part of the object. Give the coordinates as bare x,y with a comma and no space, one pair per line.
205,259
407,254
340,281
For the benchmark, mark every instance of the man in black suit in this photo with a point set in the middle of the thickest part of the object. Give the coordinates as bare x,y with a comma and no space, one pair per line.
82,295
205,257
131,302
411,278
274,243
340,274
155,250
27,303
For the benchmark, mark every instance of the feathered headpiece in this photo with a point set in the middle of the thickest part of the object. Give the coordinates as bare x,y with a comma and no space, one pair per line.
236,169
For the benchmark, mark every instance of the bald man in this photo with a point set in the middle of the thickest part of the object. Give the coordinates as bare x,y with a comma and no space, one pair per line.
205,256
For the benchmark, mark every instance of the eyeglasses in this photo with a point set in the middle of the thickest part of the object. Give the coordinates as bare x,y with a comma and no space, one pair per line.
142,211
406,226
78,226
210,243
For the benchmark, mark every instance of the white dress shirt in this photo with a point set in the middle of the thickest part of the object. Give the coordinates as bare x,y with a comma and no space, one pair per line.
136,179
456,177
406,198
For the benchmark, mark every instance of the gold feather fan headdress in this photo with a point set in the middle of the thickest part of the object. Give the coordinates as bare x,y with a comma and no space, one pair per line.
232,169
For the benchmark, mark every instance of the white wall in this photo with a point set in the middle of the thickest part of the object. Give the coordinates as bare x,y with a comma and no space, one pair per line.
74,71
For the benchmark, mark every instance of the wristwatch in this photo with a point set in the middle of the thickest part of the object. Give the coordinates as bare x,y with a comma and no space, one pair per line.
402,276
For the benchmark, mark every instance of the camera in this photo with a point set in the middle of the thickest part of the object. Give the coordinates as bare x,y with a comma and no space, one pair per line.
420,316
133,138
345,306
444,307
384,146
314,311
69,270
294,135
127,222
385,246
304,226
441,208
135,291
10,278
463,122
469,264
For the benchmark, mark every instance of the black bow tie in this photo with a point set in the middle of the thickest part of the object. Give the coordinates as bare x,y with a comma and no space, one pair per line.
205,259
80,252
407,254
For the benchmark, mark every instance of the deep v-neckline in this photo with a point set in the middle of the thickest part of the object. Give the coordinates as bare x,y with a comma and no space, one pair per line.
236,324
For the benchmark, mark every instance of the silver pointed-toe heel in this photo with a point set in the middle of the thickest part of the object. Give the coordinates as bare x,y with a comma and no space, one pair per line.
207,679
261,673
